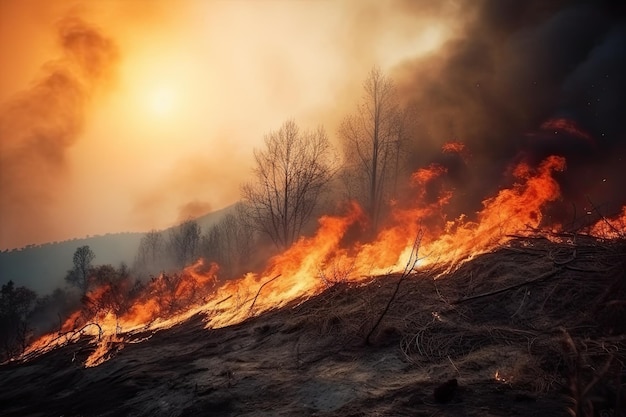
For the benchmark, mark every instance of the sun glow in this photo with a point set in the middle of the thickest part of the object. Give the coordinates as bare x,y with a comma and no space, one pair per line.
157,86
162,101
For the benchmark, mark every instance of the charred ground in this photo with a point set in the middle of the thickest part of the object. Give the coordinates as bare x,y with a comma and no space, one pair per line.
533,328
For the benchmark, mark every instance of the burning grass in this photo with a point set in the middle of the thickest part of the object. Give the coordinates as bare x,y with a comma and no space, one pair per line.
540,317
501,298
115,313
533,327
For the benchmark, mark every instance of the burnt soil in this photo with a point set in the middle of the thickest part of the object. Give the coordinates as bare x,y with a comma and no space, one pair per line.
549,318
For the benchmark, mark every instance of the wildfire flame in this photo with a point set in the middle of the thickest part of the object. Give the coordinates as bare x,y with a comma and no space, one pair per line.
567,126
307,267
498,377
614,228
425,175
454,147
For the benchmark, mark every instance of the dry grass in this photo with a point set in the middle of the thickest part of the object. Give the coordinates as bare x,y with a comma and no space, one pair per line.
507,311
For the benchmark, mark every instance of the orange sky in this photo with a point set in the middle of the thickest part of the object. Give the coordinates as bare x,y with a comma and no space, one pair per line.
193,86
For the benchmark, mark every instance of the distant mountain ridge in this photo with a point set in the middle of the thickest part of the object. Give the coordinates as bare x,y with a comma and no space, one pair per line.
43,267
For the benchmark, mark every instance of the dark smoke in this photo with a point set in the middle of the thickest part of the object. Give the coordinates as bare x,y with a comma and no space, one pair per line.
523,80
39,126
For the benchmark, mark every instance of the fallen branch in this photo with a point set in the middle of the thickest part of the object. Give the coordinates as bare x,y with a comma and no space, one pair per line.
541,277
224,300
259,291
410,267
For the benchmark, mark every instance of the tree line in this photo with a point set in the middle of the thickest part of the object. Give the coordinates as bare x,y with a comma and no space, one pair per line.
293,173
293,176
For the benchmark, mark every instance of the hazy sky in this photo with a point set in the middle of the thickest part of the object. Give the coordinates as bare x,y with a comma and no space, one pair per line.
131,115
127,115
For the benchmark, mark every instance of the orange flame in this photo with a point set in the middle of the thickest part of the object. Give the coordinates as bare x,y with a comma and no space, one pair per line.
514,210
102,315
613,228
308,266
289,276
500,378
455,148
568,126
424,175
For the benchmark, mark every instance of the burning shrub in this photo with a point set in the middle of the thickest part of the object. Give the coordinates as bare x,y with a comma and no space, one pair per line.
50,310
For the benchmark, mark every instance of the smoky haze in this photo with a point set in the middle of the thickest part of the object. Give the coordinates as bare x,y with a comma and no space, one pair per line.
523,80
200,83
512,80
39,125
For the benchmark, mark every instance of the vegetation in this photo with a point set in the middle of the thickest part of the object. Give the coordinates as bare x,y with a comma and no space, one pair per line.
80,274
150,254
183,243
15,306
230,243
290,174
373,138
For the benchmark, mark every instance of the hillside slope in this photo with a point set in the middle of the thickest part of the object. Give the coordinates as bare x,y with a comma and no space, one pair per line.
43,267
533,328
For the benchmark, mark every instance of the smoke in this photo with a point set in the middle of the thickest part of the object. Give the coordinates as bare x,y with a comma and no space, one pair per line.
39,125
499,76
522,80
188,189
490,74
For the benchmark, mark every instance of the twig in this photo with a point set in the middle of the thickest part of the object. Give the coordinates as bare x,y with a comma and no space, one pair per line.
541,277
68,339
259,291
410,266
454,366
439,294
224,300
521,304
604,219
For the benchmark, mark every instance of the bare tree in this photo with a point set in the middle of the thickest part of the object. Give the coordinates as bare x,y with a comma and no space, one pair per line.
80,274
229,242
184,242
290,175
150,254
372,139
245,238
211,246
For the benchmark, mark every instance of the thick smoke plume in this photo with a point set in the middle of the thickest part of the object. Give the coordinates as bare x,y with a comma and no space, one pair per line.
523,80
38,127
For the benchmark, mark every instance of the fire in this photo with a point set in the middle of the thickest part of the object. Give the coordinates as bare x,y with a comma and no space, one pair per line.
104,350
453,147
164,302
289,276
513,210
614,228
499,377
314,262
567,126
425,175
